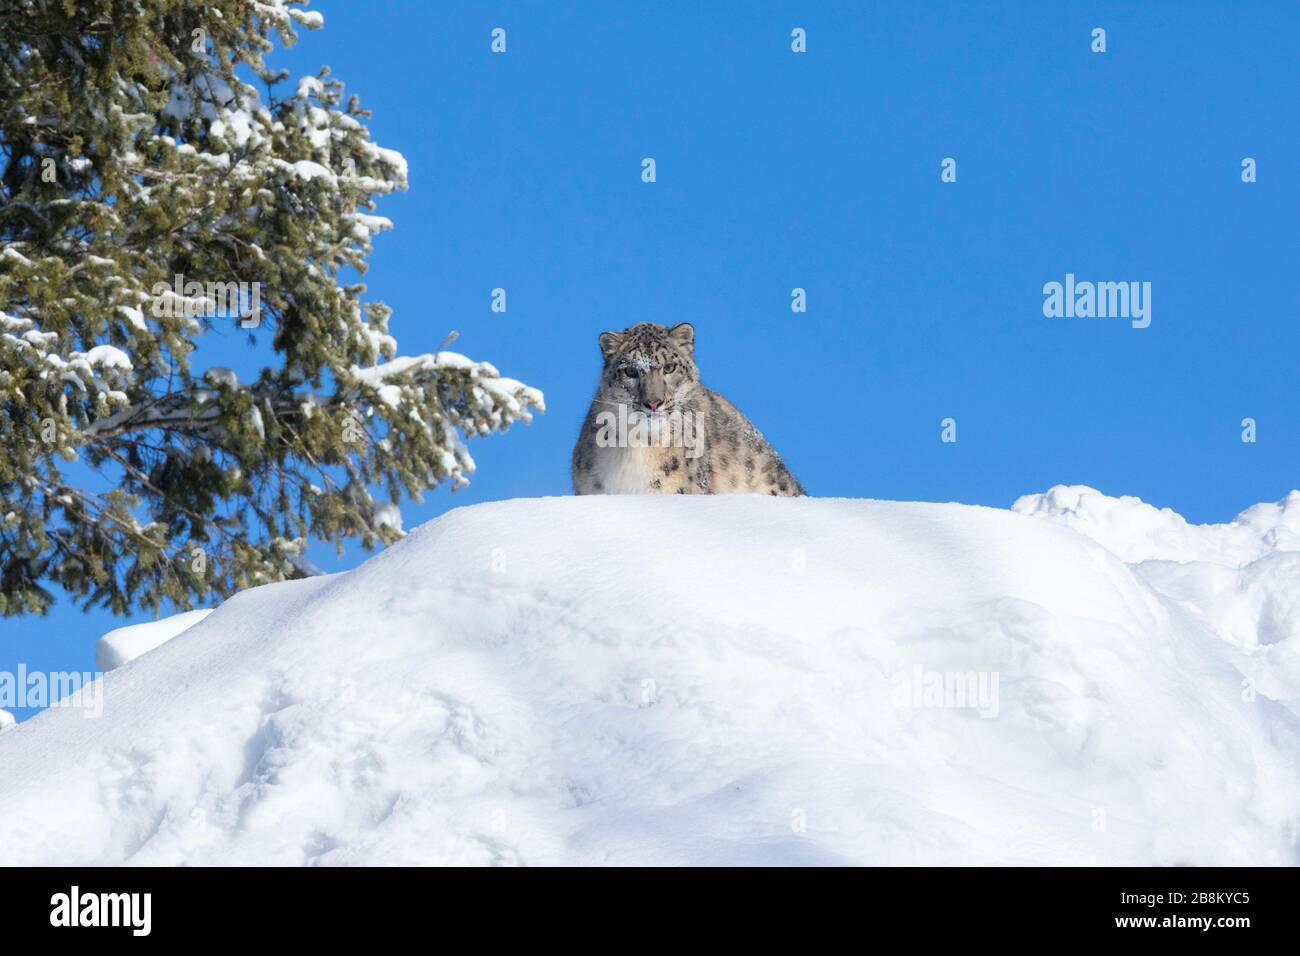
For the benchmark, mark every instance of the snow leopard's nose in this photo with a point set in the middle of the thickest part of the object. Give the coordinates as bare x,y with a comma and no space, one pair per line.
652,405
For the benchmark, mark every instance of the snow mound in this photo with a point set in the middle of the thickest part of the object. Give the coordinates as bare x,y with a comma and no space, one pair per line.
1135,531
1241,580
670,680
127,643
7,721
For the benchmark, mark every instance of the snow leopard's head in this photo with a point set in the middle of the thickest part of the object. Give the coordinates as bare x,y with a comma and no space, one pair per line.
648,367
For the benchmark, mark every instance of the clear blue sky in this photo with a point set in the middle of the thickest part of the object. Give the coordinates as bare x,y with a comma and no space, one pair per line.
822,171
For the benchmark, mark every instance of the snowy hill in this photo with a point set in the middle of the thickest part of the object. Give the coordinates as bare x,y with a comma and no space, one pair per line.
728,680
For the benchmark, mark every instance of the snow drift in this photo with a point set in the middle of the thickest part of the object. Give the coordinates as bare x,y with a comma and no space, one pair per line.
724,680
127,643
1241,579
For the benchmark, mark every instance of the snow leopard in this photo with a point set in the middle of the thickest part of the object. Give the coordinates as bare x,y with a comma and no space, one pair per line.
655,428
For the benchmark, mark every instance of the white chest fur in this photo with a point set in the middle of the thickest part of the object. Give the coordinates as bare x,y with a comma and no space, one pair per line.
630,471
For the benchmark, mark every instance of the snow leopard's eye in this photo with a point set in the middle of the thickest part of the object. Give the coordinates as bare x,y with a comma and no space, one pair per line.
670,368
629,370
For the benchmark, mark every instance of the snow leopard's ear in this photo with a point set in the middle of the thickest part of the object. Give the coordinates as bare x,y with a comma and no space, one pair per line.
683,335
609,343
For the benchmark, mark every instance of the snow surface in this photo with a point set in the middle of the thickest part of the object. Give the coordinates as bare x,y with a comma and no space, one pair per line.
1135,531
723,679
127,643
1240,579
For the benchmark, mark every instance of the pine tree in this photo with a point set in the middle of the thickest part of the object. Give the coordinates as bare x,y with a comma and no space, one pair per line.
148,194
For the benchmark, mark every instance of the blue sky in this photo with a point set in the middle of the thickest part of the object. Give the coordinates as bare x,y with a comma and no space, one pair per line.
822,171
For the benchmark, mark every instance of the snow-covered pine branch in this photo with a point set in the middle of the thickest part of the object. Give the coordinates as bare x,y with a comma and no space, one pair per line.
141,181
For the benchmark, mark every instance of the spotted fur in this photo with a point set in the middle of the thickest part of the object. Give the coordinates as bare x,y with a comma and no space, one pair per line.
702,445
